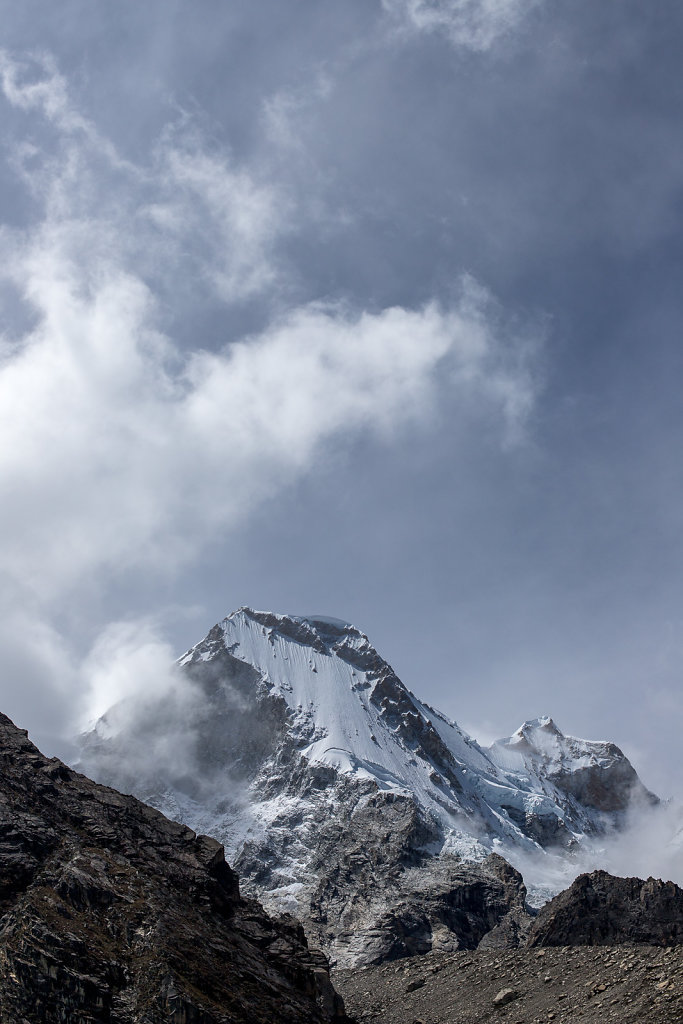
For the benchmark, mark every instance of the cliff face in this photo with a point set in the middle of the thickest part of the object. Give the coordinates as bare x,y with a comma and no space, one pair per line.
113,913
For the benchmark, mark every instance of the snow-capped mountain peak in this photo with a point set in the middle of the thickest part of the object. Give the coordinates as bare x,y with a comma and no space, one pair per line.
346,707
300,745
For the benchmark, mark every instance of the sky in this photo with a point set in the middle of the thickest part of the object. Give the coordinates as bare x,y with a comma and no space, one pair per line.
366,309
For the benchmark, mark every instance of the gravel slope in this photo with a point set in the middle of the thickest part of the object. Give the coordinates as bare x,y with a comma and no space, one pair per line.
567,985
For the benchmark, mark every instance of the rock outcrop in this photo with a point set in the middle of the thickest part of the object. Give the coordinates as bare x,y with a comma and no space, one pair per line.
599,909
443,905
111,912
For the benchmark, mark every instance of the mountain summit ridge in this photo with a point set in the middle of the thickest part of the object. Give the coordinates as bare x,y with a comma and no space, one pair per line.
333,786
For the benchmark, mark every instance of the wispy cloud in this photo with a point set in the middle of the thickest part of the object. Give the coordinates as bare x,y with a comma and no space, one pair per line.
230,218
282,111
33,82
472,24
188,210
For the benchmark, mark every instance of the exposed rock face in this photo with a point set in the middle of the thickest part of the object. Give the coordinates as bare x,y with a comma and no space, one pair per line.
342,798
113,913
599,909
443,905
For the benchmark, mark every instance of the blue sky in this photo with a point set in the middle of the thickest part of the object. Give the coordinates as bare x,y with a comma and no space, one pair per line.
368,309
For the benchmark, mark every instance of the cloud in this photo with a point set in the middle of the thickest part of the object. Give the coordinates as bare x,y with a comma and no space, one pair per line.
127,450
33,82
649,843
134,691
190,211
237,217
40,671
129,661
281,112
471,24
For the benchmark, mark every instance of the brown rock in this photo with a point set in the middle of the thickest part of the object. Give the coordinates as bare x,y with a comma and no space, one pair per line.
505,996
414,985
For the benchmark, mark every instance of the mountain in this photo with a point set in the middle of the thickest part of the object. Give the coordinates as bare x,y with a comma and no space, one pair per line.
345,800
112,913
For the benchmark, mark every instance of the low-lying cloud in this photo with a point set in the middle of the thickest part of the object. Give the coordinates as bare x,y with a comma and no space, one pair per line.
649,843
134,691
126,451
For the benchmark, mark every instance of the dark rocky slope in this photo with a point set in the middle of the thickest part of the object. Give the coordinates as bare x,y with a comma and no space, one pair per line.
113,913
599,909
370,915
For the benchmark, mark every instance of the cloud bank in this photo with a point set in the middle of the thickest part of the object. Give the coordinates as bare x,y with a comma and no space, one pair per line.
129,449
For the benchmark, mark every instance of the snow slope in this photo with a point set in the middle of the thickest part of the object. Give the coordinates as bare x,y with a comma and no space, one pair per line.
349,711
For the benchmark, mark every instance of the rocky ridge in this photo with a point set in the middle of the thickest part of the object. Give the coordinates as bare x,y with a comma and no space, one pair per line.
601,910
113,913
343,799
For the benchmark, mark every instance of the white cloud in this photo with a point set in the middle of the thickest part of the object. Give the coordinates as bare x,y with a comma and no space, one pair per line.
648,843
38,666
283,110
189,210
130,662
34,83
472,24
133,688
124,451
